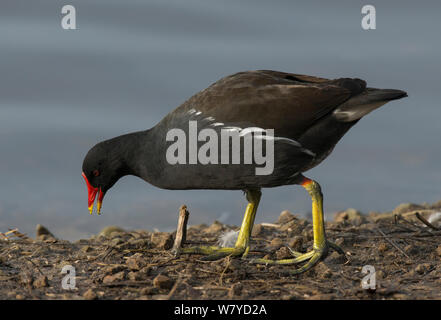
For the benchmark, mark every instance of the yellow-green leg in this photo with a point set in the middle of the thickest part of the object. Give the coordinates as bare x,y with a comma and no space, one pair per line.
321,245
242,245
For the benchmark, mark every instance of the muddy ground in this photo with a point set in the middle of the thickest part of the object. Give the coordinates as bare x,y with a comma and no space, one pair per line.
118,264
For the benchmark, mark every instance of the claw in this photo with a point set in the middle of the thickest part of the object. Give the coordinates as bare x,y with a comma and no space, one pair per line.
313,257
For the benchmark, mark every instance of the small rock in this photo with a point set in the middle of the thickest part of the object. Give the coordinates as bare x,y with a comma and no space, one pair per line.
340,241
115,277
257,230
410,249
107,231
42,233
296,243
407,207
380,274
40,282
353,216
90,295
308,234
148,291
235,290
113,269
276,243
423,268
438,250
163,282
134,276
215,227
292,226
285,216
136,262
162,240
139,243
382,247
283,253
323,271
86,249
116,241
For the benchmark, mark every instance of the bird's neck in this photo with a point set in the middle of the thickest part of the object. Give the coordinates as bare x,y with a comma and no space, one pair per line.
127,151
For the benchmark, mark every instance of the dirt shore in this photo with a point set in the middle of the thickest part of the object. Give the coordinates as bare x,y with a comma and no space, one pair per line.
116,264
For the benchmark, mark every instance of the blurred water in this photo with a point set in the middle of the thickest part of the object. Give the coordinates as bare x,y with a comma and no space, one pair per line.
131,62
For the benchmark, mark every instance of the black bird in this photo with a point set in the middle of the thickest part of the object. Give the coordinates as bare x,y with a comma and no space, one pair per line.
293,120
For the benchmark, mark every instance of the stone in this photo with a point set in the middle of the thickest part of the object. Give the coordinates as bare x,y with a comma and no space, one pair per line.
215,227
139,243
438,250
90,295
257,230
353,216
134,276
283,253
111,231
41,282
114,269
423,268
162,240
42,233
406,207
114,278
163,282
382,247
276,243
136,262
286,216
296,243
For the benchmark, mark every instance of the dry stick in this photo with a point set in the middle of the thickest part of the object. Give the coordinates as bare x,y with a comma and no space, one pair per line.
427,223
392,243
181,231
175,286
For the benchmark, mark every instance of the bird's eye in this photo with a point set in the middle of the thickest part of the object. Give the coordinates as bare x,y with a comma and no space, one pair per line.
96,173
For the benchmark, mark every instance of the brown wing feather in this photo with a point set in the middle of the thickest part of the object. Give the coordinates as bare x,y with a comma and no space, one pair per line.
288,103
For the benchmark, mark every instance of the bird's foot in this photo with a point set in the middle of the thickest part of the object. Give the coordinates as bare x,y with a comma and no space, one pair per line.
213,252
312,257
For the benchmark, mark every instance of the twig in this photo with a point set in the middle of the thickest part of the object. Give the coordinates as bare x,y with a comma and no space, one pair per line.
181,231
175,286
427,223
392,243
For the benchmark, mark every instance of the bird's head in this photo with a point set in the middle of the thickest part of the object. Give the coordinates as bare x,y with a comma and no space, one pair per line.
102,167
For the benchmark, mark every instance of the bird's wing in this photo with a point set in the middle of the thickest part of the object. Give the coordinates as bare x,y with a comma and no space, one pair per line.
288,103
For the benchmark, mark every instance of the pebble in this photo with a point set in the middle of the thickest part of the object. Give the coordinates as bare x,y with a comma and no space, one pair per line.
163,282
422,268
136,262
382,247
353,216
115,277
90,295
276,243
215,227
283,253
438,250
107,231
162,240
41,282
296,243
42,233
285,216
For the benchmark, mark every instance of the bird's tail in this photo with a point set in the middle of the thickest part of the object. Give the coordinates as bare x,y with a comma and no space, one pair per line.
365,102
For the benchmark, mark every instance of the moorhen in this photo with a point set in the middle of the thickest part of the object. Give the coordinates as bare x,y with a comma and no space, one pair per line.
279,125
